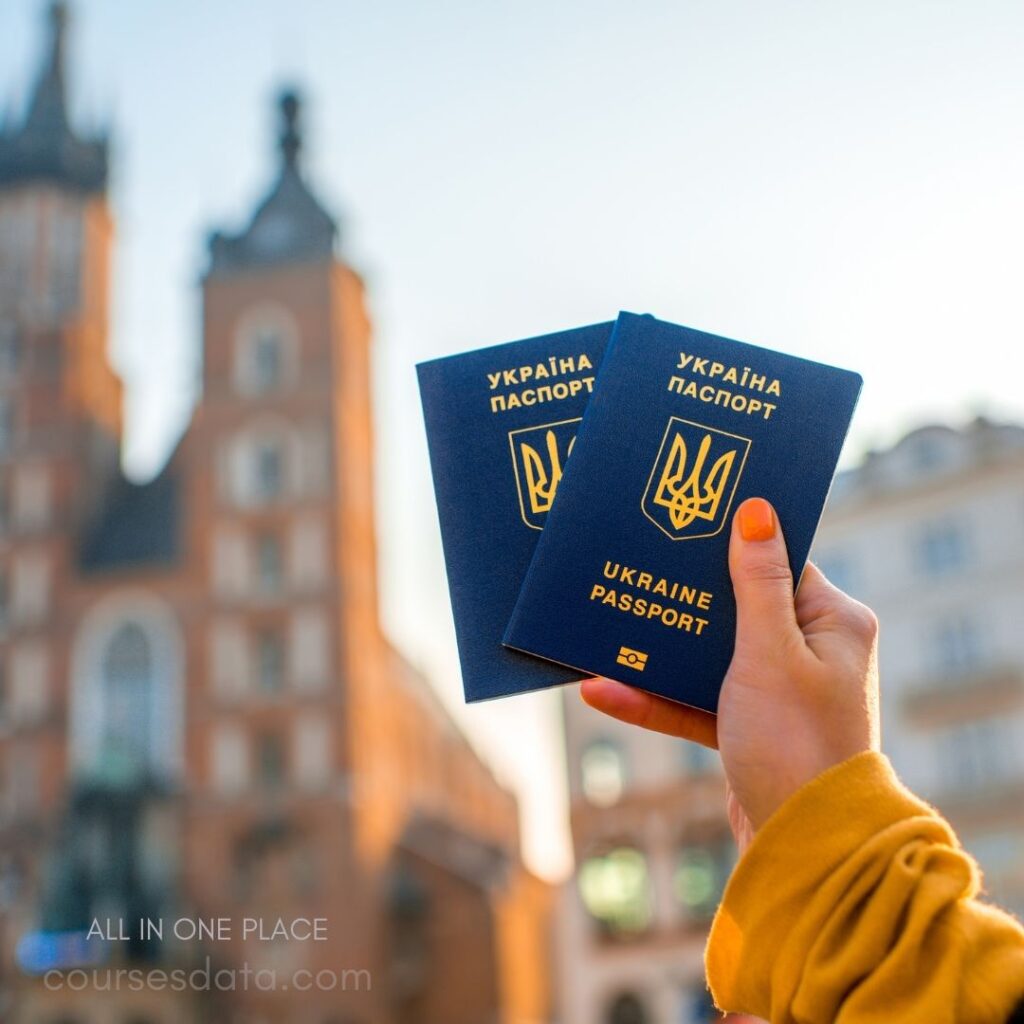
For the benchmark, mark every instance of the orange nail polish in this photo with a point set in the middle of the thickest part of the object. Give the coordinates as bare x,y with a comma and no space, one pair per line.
757,520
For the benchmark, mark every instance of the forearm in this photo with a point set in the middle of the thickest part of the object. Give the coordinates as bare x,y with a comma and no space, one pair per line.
855,903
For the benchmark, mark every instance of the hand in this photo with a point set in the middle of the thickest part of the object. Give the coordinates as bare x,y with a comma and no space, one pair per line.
801,692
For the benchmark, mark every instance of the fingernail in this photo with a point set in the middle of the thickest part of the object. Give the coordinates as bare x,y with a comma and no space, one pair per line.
757,520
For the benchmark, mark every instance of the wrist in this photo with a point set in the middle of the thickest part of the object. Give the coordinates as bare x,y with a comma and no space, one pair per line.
799,768
785,866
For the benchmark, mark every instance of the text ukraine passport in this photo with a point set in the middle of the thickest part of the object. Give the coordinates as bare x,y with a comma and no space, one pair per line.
501,422
630,577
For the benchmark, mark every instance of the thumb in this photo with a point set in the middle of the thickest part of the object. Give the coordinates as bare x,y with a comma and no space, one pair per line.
761,578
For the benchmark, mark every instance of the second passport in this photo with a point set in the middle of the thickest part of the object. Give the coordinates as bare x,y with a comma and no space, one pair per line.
501,422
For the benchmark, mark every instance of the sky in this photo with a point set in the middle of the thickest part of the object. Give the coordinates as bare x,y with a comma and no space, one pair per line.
838,181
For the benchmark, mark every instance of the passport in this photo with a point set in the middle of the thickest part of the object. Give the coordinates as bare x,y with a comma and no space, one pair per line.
501,422
630,577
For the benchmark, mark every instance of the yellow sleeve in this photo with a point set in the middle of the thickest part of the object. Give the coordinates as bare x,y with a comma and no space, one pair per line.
854,905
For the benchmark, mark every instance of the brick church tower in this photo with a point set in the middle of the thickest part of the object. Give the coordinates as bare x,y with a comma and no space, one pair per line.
200,716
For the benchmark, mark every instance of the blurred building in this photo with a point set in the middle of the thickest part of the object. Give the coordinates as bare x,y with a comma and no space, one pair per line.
653,851
930,534
199,715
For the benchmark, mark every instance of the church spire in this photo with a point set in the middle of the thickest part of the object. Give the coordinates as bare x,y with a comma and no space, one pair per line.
290,225
291,137
48,107
45,147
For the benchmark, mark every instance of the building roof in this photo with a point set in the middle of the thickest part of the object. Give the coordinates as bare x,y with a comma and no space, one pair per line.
289,225
927,454
44,147
139,525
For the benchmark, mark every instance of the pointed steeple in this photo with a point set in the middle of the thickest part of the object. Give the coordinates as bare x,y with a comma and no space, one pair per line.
47,109
290,225
45,147
291,139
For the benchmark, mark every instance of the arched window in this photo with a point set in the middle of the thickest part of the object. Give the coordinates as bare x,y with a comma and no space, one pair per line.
615,888
126,691
127,674
263,462
265,357
602,772
627,1008
267,470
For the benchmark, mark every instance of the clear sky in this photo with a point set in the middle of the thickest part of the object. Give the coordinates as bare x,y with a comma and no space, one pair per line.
841,181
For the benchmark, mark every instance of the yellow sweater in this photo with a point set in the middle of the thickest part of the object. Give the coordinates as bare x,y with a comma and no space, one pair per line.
854,905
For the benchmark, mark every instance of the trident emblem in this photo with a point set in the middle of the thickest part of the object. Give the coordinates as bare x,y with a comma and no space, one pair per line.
693,479
539,455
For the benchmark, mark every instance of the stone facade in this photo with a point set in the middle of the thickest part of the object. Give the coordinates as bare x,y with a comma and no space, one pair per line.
930,533
200,717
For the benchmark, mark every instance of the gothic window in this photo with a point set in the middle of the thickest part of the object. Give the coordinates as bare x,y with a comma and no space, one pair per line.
265,352
126,691
267,360
128,704
261,463
602,772
268,471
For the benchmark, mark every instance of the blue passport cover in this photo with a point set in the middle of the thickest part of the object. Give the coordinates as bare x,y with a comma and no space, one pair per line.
501,422
630,578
